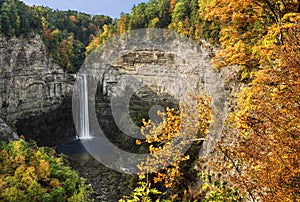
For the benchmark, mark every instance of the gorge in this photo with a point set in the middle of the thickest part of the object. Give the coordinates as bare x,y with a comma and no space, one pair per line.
80,95
36,99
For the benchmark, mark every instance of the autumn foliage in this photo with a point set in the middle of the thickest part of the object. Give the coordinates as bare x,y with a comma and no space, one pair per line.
258,156
243,25
29,173
261,141
164,167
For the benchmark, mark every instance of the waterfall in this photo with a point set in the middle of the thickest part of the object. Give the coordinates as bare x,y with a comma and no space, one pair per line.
84,108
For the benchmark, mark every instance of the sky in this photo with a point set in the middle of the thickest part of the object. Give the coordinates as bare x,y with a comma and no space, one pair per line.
112,8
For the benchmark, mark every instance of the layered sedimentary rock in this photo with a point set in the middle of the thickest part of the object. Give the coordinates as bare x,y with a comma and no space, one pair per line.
156,78
30,82
36,92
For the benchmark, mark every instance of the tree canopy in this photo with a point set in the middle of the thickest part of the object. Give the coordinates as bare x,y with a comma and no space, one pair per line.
31,173
17,19
66,33
258,155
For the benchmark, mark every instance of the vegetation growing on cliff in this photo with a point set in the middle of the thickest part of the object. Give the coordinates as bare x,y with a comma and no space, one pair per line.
258,157
183,16
259,153
65,33
31,173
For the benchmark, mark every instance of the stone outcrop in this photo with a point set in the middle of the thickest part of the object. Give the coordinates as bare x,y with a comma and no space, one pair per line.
6,132
30,82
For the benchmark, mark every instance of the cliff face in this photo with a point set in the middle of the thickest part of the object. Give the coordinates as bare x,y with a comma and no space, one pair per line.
150,80
6,132
30,82
35,92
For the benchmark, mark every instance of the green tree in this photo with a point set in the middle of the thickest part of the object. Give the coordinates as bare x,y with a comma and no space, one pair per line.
8,18
138,17
29,173
17,19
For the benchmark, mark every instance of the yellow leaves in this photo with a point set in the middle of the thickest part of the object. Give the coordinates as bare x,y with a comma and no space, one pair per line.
274,93
146,123
105,30
19,159
2,185
100,39
185,158
238,17
152,149
176,130
44,169
264,131
266,114
242,23
55,33
257,168
285,156
26,174
282,86
291,17
153,22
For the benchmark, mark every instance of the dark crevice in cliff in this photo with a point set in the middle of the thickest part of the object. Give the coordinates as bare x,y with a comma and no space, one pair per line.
50,128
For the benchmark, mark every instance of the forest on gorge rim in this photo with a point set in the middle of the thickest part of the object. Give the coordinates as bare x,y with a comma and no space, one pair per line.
258,156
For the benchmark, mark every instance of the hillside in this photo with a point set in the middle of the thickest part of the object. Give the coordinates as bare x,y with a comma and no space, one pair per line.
254,43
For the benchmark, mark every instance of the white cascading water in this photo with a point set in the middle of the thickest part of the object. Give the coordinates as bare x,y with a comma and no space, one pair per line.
84,108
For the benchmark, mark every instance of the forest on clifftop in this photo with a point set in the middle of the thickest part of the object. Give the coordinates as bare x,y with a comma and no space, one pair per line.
258,156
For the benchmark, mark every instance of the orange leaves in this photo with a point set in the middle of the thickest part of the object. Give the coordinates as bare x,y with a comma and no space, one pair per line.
269,115
55,183
72,18
47,32
103,36
261,144
172,5
138,142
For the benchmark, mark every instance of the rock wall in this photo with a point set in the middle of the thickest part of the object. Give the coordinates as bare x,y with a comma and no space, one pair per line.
37,93
6,132
30,82
153,78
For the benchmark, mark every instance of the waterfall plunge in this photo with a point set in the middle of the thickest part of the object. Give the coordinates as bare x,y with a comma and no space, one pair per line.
84,108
